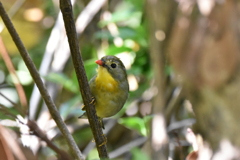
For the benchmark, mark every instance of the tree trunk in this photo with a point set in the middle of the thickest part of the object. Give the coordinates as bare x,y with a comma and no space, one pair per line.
204,50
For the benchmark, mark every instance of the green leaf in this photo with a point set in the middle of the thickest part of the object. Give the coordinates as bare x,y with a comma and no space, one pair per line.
93,155
126,32
8,114
63,80
139,154
126,14
103,35
112,50
138,4
134,123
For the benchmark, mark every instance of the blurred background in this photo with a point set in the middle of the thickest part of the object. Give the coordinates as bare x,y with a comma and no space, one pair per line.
182,61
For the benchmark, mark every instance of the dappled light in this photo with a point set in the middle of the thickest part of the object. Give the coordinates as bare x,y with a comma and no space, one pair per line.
179,98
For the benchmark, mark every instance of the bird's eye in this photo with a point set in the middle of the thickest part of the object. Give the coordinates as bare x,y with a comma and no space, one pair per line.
113,65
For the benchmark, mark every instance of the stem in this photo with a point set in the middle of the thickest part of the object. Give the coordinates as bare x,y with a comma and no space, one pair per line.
39,133
66,9
16,81
37,79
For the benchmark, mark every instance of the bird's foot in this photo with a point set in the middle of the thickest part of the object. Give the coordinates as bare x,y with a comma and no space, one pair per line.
93,101
104,142
101,122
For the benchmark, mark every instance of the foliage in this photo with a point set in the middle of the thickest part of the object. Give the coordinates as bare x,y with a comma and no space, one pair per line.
128,41
119,28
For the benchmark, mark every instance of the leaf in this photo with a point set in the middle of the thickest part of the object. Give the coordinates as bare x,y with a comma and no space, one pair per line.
63,80
139,154
103,35
126,32
93,155
112,50
134,123
9,113
125,13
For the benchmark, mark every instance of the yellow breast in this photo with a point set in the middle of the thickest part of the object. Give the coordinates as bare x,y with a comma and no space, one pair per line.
104,81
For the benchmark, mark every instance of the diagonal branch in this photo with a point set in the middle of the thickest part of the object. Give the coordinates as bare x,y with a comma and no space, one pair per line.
16,81
39,133
37,79
66,8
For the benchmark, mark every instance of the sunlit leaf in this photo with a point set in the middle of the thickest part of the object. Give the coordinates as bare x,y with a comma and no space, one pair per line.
93,154
134,123
139,154
112,50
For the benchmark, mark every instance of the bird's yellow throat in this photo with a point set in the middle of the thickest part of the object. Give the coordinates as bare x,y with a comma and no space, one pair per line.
104,80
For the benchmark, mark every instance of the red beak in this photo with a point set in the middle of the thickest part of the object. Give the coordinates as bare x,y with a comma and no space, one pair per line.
99,62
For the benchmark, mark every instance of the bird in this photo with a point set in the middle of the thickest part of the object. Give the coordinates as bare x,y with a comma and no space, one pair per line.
109,87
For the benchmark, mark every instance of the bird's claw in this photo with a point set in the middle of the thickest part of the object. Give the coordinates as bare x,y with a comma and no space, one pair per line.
104,142
93,101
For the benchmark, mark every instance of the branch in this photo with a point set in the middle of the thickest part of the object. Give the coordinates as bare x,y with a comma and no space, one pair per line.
160,20
37,79
39,133
127,147
66,8
16,81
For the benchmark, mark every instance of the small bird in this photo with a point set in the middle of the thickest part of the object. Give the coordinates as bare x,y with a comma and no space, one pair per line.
109,87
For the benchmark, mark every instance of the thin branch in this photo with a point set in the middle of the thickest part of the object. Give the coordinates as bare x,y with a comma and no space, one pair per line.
53,43
6,110
108,126
66,8
16,81
13,10
56,49
37,79
39,133
10,101
157,47
127,147
15,7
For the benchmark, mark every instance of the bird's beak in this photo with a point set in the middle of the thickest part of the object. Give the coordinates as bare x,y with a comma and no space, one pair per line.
99,62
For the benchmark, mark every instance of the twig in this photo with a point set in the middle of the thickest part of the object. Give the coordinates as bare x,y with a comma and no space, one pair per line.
15,7
37,79
66,8
9,100
53,43
38,132
6,110
13,103
127,147
108,126
13,10
157,49
55,49
16,81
